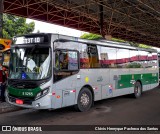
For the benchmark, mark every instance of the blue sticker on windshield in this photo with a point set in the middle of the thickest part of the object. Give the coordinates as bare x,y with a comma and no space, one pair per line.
23,76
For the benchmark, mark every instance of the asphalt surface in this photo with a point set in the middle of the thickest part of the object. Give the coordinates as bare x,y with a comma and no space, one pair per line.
124,110
6,107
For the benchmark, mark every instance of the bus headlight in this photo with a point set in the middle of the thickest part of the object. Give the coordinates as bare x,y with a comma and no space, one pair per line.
42,93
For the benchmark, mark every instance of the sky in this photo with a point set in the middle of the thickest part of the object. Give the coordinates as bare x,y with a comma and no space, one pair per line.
44,27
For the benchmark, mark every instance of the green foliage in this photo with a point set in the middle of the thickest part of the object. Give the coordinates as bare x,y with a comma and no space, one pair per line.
91,36
118,40
134,65
134,44
14,26
139,45
144,46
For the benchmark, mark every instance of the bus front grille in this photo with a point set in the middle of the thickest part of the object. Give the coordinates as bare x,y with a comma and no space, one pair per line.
27,101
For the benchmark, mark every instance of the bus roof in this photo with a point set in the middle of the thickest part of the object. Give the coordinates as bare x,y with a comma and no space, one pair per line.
102,42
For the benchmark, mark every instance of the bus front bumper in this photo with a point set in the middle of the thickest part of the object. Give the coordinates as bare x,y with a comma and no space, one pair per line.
42,103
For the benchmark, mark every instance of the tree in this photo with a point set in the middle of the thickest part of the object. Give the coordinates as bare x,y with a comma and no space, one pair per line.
91,36
13,26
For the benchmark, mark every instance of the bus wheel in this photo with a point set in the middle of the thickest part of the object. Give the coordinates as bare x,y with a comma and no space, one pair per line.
137,90
84,101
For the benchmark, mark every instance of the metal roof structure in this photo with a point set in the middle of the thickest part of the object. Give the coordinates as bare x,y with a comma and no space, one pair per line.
132,20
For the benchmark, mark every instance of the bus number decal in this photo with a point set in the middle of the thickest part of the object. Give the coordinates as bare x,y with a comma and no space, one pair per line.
27,93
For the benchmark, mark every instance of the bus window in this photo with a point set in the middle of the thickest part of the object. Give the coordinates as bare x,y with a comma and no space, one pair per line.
67,60
154,60
93,56
84,59
150,60
122,58
63,61
107,57
66,45
143,59
66,63
134,61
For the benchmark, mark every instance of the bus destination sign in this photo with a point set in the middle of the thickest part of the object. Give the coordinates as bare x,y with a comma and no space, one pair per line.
33,40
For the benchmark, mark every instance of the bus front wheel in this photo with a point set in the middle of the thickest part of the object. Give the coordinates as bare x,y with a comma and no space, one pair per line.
84,101
137,89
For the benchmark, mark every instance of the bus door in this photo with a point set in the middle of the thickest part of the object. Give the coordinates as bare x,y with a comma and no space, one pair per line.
104,72
94,74
65,68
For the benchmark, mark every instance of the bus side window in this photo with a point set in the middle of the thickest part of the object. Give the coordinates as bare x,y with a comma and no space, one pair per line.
93,56
57,60
149,60
107,57
134,59
63,61
154,60
66,64
143,58
84,59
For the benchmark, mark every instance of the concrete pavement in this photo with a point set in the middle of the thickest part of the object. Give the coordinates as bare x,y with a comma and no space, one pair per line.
6,107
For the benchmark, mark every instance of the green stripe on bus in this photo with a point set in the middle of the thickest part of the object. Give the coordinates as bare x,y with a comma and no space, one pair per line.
23,92
128,80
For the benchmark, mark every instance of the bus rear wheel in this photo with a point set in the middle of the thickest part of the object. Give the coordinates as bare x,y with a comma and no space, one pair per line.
84,101
137,89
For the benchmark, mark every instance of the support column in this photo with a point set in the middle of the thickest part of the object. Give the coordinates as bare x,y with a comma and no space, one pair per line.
1,18
101,19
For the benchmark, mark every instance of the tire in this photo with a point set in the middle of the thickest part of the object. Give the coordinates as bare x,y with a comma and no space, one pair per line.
137,89
84,101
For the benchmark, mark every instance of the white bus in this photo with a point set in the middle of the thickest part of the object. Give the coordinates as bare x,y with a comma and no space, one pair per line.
50,71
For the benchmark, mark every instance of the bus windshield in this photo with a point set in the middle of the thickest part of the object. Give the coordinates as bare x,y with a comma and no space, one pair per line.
30,63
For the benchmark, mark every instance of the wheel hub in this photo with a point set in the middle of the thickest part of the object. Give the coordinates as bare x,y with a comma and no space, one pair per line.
84,99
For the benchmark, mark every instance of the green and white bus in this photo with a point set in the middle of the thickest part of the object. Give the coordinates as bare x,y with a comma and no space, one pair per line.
50,71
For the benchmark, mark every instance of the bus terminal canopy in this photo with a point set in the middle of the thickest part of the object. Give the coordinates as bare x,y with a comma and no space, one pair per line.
132,20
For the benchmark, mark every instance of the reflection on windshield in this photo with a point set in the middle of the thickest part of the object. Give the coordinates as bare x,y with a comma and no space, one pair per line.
30,63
